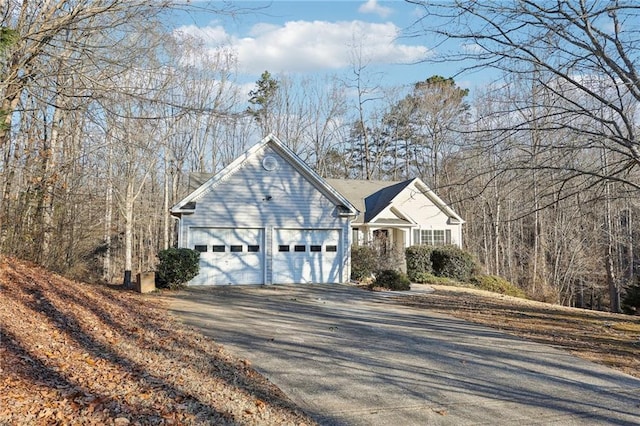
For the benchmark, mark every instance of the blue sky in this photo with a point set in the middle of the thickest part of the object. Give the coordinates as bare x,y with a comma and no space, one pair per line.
311,37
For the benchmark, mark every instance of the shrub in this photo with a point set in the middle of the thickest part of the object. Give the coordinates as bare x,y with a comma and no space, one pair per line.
177,266
423,278
363,262
497,285
453,262
392,280
631,299
418,262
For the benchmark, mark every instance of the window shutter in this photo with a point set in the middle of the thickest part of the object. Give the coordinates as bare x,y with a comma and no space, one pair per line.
447,236
416,237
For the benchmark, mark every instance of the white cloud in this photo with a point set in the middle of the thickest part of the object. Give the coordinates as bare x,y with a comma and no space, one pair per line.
372,6
307,46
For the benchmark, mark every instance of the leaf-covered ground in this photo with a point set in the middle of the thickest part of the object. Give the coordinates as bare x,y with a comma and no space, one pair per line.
81,354
602,337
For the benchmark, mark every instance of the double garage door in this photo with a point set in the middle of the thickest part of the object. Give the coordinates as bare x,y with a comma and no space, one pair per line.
241,256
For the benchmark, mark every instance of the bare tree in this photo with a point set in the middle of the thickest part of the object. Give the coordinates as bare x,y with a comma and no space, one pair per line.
365,83
326,107
566,97
584,53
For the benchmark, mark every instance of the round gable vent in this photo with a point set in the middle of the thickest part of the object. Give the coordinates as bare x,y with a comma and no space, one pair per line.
269,163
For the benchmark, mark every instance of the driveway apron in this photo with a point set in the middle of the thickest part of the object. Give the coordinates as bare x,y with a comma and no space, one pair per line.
352,357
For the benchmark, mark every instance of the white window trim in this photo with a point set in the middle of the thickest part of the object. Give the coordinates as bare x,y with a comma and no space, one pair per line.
428,237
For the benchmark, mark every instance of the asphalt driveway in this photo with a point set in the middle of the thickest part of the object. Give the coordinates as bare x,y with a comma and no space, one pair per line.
352,357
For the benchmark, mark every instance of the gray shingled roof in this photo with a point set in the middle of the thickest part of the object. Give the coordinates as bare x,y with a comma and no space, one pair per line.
368,196
196,179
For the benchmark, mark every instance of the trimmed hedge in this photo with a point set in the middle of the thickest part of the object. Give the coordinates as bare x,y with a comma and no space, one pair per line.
453,262
497,285
364,262
419,262
392,280
177,267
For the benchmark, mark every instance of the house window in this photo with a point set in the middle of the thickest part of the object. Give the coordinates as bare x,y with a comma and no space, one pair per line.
283,248
426,237
315,248
236,249
438,237
218,249
200,248
331,248
253,249
432,237
300,248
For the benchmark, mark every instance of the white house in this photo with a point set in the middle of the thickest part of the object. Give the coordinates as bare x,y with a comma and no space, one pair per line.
400,214
267,218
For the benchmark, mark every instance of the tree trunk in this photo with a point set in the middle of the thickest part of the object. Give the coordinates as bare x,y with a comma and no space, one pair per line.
165,208
108,215
128,234
630,251
614,291
49,178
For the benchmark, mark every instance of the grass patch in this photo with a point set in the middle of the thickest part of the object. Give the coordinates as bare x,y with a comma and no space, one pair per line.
630,327
497,284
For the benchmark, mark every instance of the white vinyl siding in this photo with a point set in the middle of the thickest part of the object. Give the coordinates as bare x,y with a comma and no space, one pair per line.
252,197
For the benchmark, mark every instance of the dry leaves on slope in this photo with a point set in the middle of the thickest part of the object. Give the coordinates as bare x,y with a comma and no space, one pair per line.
74,353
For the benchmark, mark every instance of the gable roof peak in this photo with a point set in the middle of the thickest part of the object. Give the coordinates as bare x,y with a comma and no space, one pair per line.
287,154
373,196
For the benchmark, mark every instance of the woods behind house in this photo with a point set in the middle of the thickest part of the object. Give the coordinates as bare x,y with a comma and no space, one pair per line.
105,111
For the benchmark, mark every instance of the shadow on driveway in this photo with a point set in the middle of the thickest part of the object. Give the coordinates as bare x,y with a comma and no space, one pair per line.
353,357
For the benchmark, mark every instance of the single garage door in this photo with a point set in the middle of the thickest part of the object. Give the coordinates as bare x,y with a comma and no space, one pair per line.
229,256
306,256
